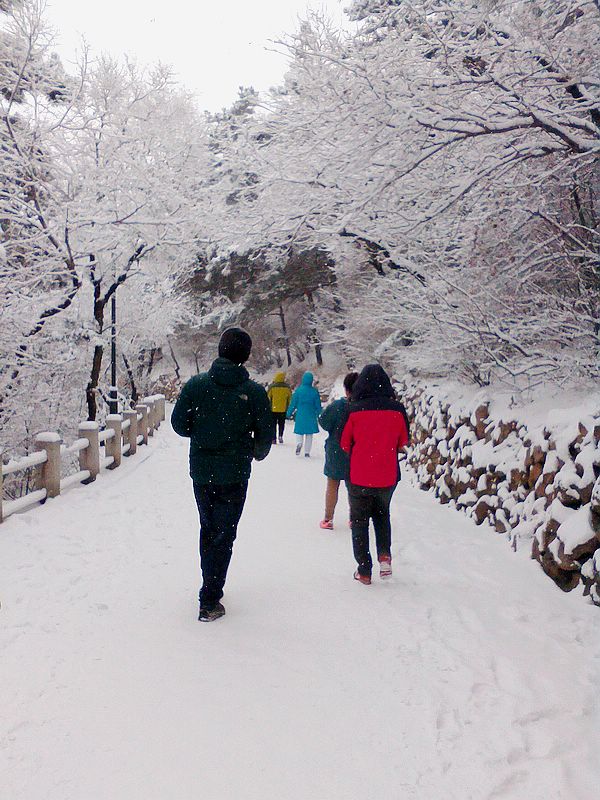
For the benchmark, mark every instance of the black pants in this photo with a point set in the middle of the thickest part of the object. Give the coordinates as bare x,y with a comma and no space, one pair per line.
279,417
220,509
368,503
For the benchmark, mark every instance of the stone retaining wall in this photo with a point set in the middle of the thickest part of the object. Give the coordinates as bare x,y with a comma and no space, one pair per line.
538,485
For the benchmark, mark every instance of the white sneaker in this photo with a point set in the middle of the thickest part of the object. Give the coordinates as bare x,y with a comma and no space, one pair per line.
385,567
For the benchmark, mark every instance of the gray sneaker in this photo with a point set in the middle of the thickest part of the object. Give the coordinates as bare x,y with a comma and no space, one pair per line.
209,615
385,567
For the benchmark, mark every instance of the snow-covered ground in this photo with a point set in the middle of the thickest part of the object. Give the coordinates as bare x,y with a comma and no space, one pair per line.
465,676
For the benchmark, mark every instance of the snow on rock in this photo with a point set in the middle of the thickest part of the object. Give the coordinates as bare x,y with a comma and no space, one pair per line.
590,573
577,532
595,498
559,512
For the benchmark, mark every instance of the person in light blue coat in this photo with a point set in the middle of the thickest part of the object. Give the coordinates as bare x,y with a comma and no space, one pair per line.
306,407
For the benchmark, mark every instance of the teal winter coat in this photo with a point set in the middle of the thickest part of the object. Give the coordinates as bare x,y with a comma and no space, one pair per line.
306,405
228,419
337,462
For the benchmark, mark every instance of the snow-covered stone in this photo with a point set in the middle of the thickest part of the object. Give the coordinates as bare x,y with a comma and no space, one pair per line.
533,481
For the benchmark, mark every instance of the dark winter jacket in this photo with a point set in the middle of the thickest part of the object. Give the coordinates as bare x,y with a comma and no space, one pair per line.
376,429
228,420
306,406
337,463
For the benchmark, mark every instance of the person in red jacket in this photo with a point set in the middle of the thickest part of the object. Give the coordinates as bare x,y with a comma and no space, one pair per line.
375,431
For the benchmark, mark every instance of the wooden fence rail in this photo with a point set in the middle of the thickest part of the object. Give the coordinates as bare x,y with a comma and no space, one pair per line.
121,437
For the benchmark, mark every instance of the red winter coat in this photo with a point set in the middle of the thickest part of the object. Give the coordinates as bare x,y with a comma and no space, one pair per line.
376,429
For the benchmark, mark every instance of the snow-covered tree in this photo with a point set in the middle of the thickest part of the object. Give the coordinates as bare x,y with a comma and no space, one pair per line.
99,191
457,147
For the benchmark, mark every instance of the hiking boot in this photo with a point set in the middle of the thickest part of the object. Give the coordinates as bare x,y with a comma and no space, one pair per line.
298,449
209,615
364,579
326,524
385,567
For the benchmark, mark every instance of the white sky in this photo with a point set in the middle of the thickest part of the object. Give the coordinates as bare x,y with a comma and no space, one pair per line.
214,45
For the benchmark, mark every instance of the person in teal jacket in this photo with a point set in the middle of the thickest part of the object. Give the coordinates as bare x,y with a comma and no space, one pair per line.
305,407
337,462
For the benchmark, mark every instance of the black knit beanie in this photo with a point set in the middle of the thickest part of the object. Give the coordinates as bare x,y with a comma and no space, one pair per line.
235,344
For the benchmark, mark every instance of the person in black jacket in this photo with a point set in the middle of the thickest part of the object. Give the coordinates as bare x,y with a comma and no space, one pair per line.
228,419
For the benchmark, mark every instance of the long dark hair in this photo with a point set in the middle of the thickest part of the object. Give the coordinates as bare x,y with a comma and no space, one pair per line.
349,381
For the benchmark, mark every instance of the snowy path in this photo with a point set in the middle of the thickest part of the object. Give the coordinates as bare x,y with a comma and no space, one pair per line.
469,675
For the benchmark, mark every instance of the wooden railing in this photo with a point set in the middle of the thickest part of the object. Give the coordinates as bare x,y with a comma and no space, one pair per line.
121,437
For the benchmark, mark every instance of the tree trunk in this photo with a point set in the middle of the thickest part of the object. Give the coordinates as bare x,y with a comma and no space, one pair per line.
319,354
91,390
313,329
92,386
134,392
177,367
153,352
286,338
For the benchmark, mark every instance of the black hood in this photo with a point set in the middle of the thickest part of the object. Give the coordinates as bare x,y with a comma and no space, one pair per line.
373,381
226,373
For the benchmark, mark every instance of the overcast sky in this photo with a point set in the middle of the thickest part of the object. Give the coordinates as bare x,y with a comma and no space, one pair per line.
215,48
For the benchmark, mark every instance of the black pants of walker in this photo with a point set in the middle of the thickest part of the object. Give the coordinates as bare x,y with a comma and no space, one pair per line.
367,504
220,509
279,417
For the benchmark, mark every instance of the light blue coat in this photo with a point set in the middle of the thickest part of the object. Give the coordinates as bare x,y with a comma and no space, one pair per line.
306,405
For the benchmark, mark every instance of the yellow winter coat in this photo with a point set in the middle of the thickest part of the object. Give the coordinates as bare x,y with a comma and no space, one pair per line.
280,394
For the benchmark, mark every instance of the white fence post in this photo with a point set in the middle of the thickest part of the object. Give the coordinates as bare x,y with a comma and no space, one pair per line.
89,459
151,415
132,431
160,401
143,422
112,446
47,462
48,473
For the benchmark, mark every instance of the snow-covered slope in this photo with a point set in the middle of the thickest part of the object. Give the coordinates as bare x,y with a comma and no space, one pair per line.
469,675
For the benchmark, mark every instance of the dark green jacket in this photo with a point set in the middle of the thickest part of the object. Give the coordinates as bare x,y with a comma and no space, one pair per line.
337,463
228,420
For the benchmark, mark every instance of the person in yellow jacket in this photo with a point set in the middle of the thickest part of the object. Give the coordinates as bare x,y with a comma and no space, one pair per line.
280,396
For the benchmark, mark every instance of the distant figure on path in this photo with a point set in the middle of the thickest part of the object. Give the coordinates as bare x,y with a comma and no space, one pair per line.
337,463
375,431
280,397
306,406
228,419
